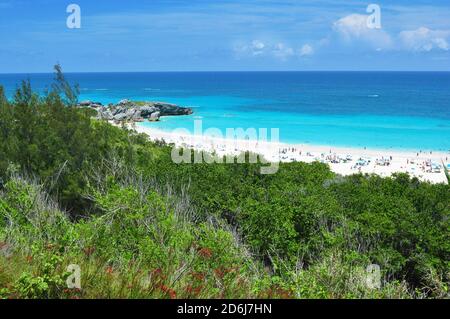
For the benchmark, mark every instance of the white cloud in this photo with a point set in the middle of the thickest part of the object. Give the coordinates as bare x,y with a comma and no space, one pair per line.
354,29
306,50
425,40
254,48
351,26
258,48
282,51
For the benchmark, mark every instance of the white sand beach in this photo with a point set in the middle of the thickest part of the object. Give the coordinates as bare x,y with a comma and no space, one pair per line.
426,166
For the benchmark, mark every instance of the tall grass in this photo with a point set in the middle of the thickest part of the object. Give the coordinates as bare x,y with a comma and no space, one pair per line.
143,242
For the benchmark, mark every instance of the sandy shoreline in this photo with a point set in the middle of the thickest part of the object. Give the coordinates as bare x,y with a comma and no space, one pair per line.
342,160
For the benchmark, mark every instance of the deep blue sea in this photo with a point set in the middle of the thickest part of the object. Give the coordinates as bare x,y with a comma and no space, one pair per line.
403,110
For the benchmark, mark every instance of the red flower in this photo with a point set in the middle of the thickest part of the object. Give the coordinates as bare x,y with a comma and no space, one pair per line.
194,290
109,270
167,290
172,294
205,252
220,272
164,288
198,275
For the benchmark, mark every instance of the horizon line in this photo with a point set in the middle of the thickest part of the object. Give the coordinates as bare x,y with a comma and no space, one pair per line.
234,71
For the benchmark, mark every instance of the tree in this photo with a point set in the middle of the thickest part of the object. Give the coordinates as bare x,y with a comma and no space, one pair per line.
61,86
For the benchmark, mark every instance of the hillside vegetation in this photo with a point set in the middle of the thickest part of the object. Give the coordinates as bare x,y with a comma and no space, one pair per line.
79,191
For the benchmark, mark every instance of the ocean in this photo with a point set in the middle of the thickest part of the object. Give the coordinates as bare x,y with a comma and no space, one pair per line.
387,110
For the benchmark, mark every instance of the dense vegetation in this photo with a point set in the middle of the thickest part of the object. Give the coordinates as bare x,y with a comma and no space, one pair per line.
78,191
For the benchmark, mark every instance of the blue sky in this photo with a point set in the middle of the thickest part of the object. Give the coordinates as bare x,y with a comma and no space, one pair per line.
202,35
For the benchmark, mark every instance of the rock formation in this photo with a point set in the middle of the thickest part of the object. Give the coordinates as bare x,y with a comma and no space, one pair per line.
126,110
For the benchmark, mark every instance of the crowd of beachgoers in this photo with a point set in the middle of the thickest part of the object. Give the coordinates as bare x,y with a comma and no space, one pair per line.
423,165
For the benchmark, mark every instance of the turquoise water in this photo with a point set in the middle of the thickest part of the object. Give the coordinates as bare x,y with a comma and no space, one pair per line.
402,110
